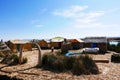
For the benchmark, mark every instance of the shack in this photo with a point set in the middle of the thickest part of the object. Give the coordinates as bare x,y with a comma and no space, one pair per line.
56,42
16,45
76,43
44,44
100,42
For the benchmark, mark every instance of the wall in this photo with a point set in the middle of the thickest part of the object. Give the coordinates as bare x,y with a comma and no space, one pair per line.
56,45
27,47
76,45
13,47
43,44
102,46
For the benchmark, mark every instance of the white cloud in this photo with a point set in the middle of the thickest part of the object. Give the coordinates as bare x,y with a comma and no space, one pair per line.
72,12
114,10
78,8
90,17
79,17
87,25
34,21
93,16
38,25
93,25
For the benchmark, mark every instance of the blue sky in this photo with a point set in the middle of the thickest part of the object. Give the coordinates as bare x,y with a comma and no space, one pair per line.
41,19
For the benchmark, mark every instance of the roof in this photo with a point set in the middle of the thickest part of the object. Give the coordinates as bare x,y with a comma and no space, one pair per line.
57,39
76,40
19,41
95,40
46,40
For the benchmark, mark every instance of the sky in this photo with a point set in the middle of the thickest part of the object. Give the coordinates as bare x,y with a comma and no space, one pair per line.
44,19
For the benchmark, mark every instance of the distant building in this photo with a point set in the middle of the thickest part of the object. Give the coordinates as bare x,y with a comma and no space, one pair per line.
56,42
76,43
44,44
16,45
100,42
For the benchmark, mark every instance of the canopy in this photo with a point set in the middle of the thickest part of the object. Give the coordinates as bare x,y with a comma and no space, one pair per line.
57,39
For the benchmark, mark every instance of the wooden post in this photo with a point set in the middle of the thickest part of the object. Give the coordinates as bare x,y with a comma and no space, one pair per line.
39,54
20,55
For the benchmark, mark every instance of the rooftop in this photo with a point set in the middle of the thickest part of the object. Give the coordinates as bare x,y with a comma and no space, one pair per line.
95,40
19,41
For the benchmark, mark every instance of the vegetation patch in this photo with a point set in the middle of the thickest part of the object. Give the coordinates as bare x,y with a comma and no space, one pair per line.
64,49
115,58
113,47
3,54
5,77
77,65
13,59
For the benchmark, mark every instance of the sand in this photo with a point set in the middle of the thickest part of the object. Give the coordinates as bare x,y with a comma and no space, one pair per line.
28,71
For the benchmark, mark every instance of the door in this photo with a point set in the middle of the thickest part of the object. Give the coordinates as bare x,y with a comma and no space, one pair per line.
94,45
18,47
59,44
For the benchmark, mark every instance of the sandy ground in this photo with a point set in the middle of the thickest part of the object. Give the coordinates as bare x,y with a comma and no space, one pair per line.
28,71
